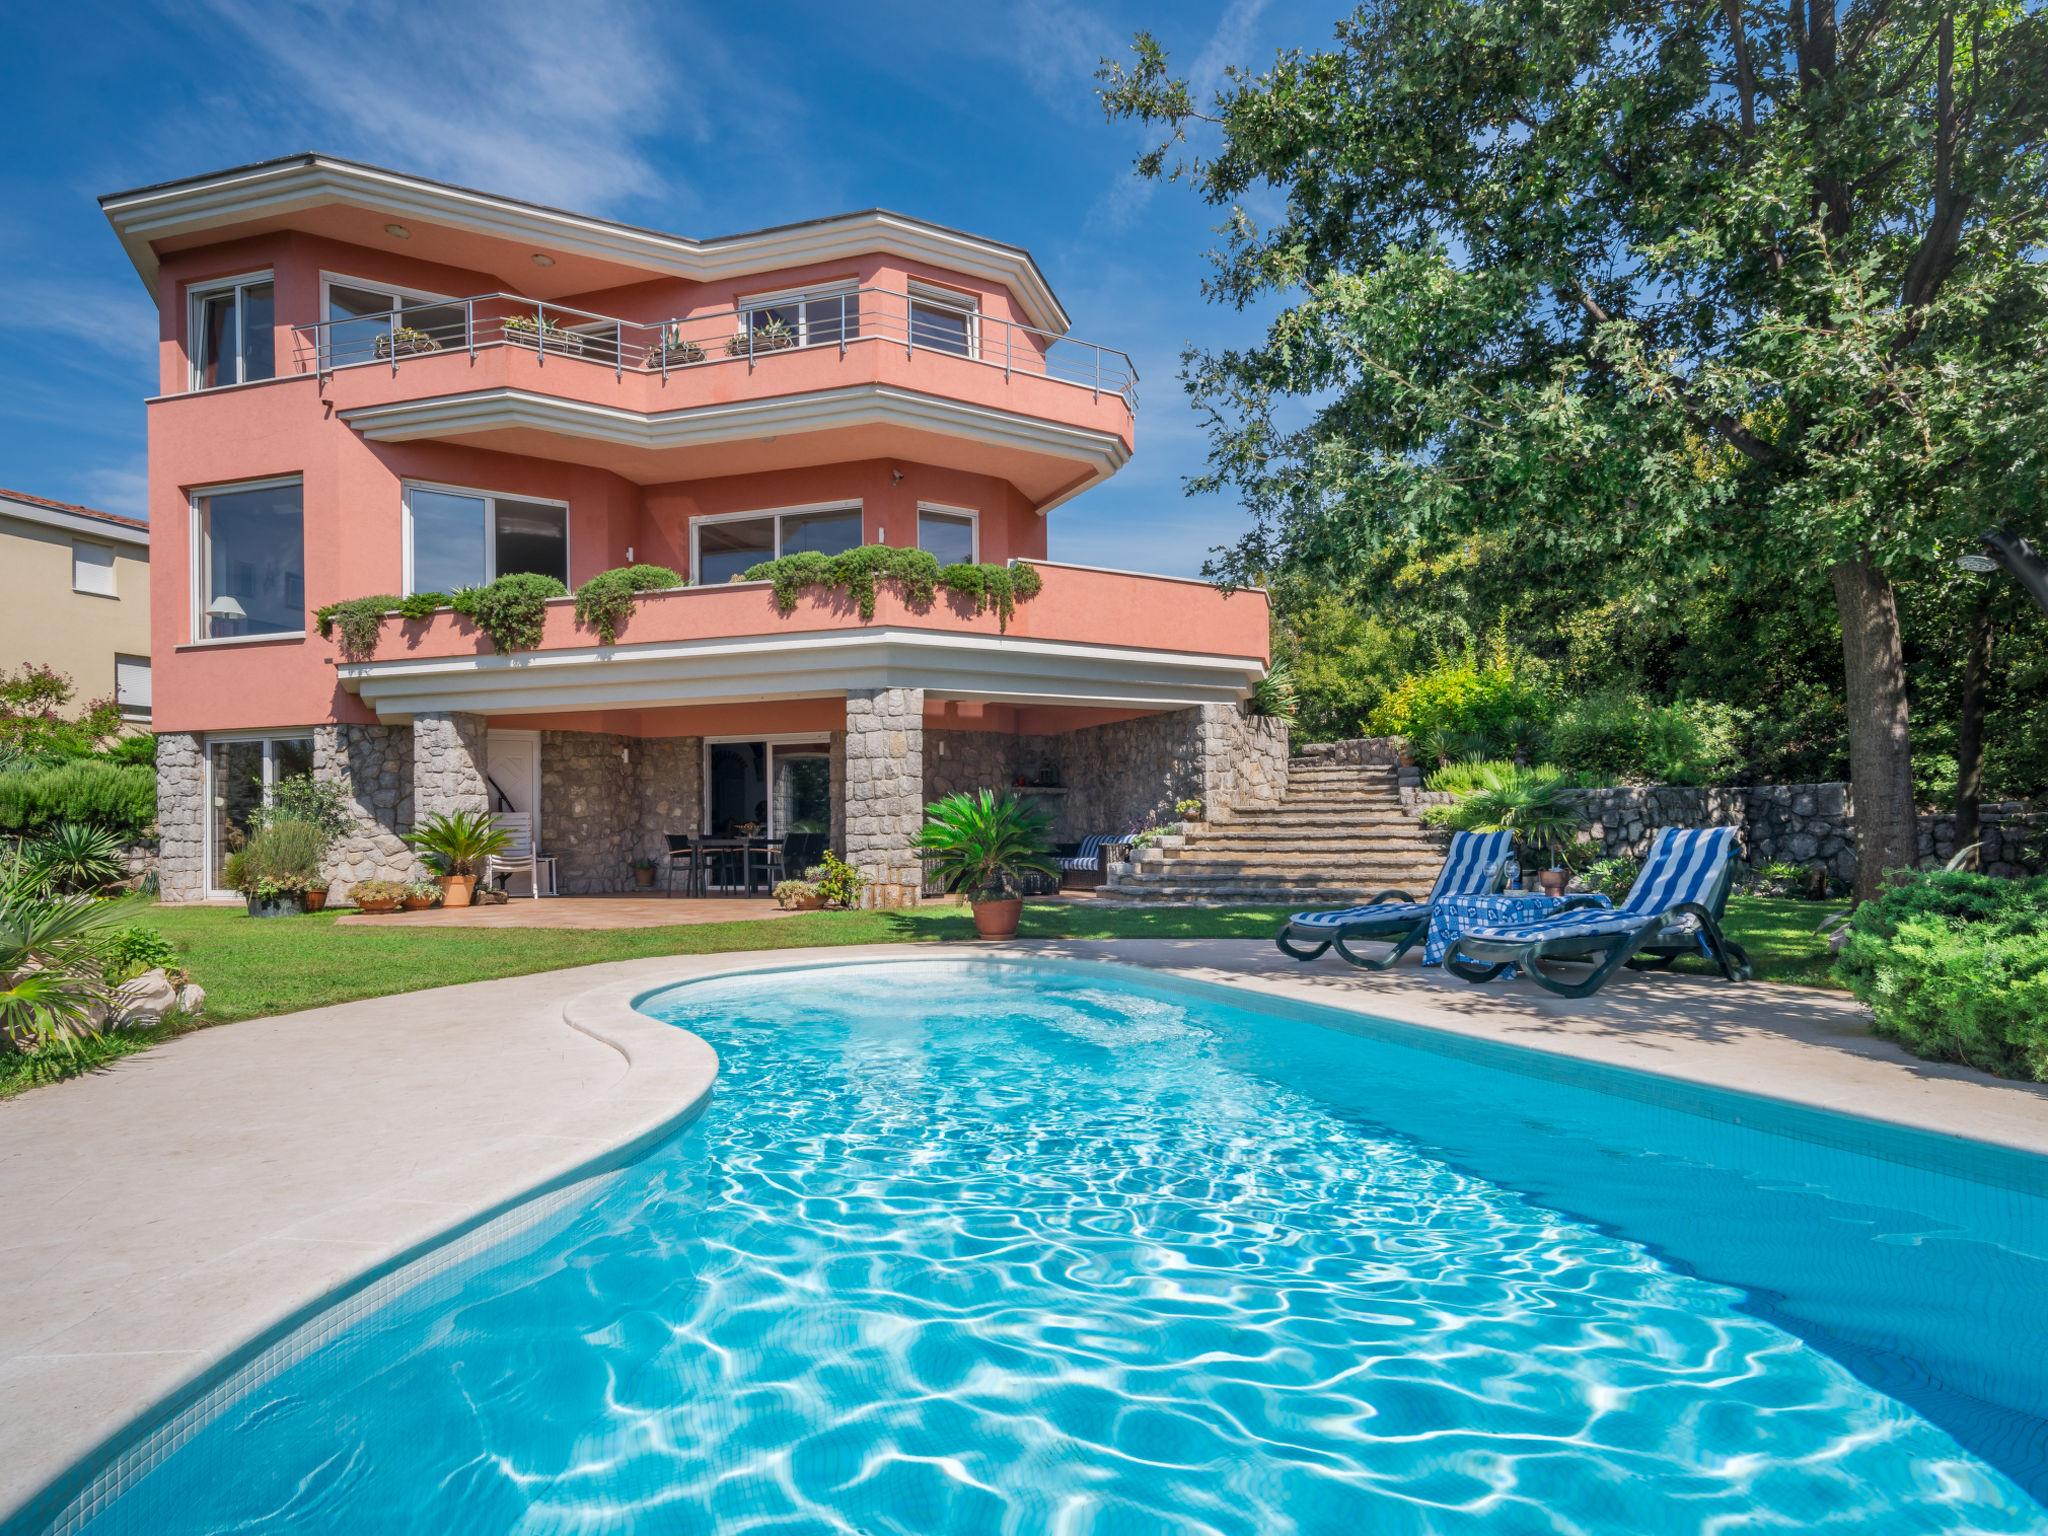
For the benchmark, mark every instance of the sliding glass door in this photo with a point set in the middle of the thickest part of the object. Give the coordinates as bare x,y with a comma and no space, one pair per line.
767,788
242,772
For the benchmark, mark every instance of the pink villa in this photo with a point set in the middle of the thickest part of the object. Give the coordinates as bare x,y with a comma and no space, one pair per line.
373,383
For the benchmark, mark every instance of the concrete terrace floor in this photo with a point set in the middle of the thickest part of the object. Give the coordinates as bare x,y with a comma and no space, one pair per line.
159,1214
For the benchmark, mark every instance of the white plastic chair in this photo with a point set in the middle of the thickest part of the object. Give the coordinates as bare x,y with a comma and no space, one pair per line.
520,856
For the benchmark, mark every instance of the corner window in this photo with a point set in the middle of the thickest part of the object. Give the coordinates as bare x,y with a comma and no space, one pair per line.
944,320
249,549
948,537
229,336
811,319
466,538
727,546
364,321
92,568
131,686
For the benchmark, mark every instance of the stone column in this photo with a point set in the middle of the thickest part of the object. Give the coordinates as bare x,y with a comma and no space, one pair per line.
180,817
373,766
447,765
885,791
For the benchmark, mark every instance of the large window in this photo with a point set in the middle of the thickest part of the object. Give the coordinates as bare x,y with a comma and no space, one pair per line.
466,538
816,317
944,320
92,568
948,536
363,317
773,788
242,773
249,561
230,340
726,546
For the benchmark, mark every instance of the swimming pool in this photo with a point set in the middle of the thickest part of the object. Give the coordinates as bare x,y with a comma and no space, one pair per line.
975,1246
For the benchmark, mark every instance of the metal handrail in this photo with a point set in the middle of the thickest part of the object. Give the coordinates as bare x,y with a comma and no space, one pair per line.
746,333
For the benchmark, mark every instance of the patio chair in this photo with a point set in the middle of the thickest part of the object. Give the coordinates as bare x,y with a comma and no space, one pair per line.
682,852
1475,865
1089,859
1673,909
520,857
786,860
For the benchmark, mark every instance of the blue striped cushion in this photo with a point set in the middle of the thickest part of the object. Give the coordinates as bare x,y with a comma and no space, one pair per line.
1473,865
1386,911
1682,867
1091,850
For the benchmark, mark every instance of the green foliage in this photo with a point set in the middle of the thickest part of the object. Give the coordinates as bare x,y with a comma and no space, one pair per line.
1621,736
301,797
52,963
119,797
459,842
604,602
1483,702
423,890
360,620
280,858
34,726
1273,696
982,842
838,883
131,950
788,893
1781,877
377,890
1954,967
1535,804
1611,877
132,750
1340,657
771,335
512,610
855,572
74,856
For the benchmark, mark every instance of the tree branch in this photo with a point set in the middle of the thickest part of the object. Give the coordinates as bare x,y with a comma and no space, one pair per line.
1745,72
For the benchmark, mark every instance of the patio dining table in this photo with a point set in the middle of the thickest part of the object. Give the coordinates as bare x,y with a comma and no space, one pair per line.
726,848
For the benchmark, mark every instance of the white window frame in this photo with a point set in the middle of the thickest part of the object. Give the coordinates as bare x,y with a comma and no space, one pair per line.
972,514
212,287
136,711
848,287
206,745
771,742
958,300
490,500
400,298
778,514
113,569
196,556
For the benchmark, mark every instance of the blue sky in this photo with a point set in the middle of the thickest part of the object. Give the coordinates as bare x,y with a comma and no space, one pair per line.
698,120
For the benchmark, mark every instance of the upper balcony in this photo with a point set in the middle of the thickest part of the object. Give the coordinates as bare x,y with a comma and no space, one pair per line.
812,378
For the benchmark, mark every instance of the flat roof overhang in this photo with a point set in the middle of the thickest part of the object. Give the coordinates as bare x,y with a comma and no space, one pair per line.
1049,461
947,666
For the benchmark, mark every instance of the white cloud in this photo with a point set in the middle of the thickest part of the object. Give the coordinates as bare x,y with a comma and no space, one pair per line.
119,322
1057,48
123,489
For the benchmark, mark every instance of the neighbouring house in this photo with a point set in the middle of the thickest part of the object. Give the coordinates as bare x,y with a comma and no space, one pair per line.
74,596
373,383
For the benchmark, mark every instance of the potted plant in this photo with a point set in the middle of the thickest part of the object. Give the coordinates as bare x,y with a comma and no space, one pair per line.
456,846
377,895
420,895
981,844
314,897
1189,809
280,859
839,883
643,872
771,335
674,352
798,896
406,341
538,330
1534,804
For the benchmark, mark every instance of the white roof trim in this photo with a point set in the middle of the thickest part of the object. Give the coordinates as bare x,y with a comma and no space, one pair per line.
289,186
812,665
496,410
72,522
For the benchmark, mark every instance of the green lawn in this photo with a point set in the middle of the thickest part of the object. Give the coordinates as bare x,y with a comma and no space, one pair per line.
252,968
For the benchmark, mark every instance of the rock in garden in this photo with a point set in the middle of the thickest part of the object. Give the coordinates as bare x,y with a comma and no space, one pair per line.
143,1001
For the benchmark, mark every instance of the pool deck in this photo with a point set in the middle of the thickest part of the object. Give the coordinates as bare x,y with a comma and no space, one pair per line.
157,1215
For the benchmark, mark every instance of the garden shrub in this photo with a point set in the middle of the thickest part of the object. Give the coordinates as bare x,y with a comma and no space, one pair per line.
512,610
1612,877
604,601
856,571
279,859
1472,705
1620,735
1954,966
118,796
130,951
360,620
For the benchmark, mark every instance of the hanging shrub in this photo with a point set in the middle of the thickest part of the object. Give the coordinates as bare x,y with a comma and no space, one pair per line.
855,573
1000,587
604,602
512,610
360,620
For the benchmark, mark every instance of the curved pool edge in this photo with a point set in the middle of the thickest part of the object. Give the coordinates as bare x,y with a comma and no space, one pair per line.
671,1075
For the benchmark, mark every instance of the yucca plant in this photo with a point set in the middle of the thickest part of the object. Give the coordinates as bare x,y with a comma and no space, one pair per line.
458,843
1533,803
74,856
982,843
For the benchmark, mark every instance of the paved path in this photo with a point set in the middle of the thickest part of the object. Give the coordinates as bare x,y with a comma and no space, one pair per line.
158,1214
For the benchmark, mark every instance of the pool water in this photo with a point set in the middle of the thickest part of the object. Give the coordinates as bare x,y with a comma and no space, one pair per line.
976,1247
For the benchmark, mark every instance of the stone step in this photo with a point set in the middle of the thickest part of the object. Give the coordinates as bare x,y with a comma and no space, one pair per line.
1246,895
1273,823
1378,879
1307,839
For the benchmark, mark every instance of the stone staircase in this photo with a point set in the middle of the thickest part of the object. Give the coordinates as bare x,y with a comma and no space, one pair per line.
1340,834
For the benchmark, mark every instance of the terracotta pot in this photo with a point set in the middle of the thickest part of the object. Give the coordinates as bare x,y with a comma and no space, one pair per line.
455,889
643,877
384,904
1554,881
998,919
416,903
314,900
810,903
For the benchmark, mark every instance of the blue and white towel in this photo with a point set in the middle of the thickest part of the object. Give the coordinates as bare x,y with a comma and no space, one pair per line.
1471,868
1682,867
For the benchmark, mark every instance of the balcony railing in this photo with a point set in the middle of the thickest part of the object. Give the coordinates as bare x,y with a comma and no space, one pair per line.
745,335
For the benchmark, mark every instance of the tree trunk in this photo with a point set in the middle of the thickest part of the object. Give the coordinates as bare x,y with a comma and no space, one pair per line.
1970,727
1880,753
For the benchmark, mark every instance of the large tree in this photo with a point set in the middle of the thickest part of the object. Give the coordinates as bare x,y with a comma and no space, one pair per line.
1693,291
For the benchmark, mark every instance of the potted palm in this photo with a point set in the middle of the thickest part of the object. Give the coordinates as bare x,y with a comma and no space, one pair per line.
980,844
456,846
1534,804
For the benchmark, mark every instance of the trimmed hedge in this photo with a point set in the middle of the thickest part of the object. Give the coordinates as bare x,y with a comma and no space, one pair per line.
1955,968
118,796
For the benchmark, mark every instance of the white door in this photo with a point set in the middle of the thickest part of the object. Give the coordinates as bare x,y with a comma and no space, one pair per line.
514,758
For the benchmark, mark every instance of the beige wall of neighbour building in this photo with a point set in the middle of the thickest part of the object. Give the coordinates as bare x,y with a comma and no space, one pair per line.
74,595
